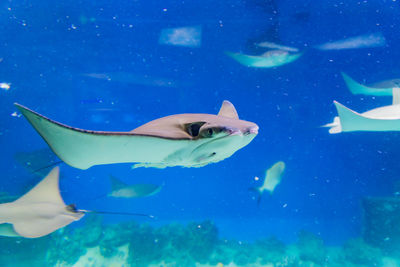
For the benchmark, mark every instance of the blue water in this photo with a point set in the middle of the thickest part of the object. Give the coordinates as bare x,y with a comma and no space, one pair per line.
49,47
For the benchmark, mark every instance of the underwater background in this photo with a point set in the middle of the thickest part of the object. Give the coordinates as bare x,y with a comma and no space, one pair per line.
106,65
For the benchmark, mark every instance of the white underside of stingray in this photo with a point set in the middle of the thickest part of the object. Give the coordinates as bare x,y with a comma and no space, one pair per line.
267,60
39,212
385,118
188,140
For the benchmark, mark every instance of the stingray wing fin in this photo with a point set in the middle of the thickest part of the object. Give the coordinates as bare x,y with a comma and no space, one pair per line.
353,121
82,149
46,191
359,89
116,184
41,226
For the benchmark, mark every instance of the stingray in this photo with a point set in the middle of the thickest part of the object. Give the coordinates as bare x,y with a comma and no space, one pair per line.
385,118
383,88
362,41
37,161
39,212
187,140
269,59
273,177
137,79
120,189
182,36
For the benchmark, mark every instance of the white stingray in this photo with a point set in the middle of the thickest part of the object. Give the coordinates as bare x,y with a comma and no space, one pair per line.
273,177
39,212
188,140
385,118
269,59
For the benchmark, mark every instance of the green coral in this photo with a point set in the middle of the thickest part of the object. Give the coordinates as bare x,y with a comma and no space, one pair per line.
311,248
358,252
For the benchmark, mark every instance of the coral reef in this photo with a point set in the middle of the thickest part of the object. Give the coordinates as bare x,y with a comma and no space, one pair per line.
361,254
381,224
311,248
196,244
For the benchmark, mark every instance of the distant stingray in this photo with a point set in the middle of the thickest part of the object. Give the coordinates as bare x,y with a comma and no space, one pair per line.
385,118
39,212
383,88
182,36
273,177
269,59
362,41
136,79
36,161
120,189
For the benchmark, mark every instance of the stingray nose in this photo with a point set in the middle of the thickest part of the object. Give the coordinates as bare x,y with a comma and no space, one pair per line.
251,130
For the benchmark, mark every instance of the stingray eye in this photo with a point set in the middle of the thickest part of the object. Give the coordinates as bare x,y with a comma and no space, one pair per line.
194,128
71,208
208,132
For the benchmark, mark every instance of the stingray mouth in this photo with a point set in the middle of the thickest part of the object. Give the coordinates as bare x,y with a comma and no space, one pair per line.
218,148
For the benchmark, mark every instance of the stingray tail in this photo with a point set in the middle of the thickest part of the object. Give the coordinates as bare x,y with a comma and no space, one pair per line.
118,213
259,193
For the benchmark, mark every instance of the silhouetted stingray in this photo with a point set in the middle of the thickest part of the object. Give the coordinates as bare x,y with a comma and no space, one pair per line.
120,189
188,140
37,161
137,79
269,59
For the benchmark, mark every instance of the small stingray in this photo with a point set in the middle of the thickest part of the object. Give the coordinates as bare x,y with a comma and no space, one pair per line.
183,36
269,59
39,212
136,79
120,189
383,88
362,41
36,161
187,140
273,177
385,118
